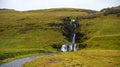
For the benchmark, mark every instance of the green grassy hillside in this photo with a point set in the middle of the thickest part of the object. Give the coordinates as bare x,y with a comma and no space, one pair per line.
102,32
102,41
32,29
38,30
26,32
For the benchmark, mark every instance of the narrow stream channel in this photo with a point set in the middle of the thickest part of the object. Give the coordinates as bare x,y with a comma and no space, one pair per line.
72,27
20,62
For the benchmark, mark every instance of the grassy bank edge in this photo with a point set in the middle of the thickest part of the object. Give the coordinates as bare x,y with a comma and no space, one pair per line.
84,55
35,53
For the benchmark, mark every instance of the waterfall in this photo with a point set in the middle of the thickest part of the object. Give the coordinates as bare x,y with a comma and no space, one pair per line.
72,46
73,39
64,48
75,47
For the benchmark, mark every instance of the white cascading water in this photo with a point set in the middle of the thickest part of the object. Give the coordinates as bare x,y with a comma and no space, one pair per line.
75,47
71,46
73,40
64,48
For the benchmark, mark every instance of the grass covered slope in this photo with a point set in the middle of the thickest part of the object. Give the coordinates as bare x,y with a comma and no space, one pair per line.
102,40
33,31
36,31
102,32
83,58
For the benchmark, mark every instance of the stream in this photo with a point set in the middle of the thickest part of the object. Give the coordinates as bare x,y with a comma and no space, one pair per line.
22,61
72,46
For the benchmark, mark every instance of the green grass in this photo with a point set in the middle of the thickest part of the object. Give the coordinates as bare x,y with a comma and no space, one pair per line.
102,32
83,58
102,40
105,42
38,38
29,32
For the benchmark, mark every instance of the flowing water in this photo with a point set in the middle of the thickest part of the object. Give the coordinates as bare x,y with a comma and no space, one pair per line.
72,46
20,62
64,48
73,39
75,47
